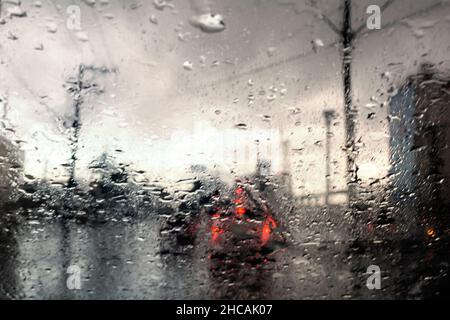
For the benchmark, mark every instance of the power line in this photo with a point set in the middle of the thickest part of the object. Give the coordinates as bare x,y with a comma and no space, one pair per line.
312,52
265,67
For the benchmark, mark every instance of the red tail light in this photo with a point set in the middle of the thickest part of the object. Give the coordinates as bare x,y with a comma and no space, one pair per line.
239,191
240,211
265,234
215,233
272,222
266,231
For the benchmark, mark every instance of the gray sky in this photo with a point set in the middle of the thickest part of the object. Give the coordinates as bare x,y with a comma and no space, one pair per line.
262,70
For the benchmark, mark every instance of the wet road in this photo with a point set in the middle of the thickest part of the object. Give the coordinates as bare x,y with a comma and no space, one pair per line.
136,258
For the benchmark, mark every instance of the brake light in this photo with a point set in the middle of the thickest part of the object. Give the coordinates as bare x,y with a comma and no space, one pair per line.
240,211
215,233
265,233
271,221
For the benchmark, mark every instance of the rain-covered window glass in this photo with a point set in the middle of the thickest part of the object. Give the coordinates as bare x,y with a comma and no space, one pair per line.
206,149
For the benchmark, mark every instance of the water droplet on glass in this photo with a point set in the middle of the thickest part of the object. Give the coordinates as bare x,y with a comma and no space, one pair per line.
209,23
161,4
242,126
271,51
202,60
153,19
108,16
188,65
52,27
317,43
38,46
82,36
90,3
16,11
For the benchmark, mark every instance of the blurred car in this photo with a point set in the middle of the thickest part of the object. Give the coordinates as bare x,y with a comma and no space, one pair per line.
242,222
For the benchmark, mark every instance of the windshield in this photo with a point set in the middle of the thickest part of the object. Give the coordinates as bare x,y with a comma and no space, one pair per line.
150,147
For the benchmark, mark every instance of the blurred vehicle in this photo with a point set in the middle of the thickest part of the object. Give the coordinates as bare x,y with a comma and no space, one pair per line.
243,238
243,222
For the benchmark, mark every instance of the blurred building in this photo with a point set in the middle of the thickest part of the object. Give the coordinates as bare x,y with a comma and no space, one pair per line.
420,131
11,160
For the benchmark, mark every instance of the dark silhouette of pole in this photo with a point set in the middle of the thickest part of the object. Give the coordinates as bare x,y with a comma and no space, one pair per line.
79,89
76,89
5,108
350,113
329,115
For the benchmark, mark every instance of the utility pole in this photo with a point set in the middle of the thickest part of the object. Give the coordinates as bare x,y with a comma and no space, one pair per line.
4,103
350,113
79,88
76,91
328,115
